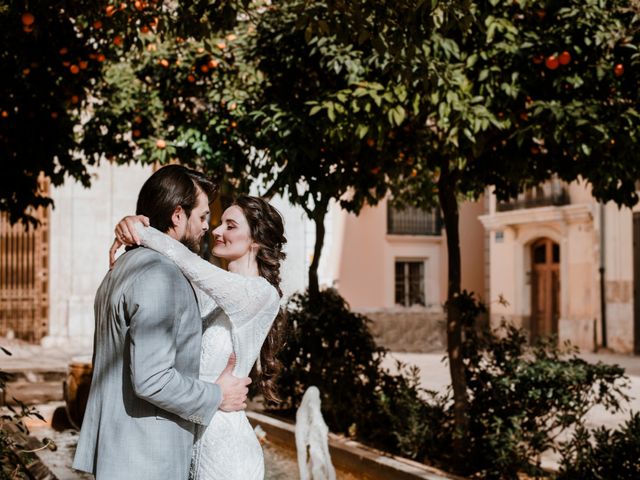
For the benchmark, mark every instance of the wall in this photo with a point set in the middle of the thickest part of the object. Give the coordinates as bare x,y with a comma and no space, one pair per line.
576,228
81,226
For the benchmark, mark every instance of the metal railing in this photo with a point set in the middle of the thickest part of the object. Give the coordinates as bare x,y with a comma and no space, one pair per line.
552,193
413,221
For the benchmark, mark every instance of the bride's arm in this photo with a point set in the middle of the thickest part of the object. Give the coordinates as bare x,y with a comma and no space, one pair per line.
232,292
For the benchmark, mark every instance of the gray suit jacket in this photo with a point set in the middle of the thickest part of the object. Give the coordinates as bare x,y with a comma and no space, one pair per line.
145,396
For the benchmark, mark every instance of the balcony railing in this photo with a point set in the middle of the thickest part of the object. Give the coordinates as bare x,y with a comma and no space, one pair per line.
552,193
413,221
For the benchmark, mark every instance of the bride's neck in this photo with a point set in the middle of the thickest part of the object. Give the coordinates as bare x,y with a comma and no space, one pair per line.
246,266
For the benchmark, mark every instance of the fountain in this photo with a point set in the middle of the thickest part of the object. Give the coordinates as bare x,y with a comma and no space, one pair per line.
312,439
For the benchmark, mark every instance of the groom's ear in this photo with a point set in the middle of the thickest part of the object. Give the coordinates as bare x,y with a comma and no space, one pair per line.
177,216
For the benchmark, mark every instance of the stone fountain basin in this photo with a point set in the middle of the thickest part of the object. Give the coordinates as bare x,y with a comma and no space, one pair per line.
349,456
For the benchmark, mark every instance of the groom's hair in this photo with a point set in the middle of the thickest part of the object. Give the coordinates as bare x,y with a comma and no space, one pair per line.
168,188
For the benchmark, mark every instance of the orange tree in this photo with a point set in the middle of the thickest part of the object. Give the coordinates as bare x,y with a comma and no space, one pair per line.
505,94
309,158
69,92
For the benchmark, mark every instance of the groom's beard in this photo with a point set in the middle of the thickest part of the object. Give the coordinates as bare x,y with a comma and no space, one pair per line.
191,243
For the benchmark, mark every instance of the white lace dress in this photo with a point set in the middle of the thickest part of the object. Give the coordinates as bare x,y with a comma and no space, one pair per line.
237,312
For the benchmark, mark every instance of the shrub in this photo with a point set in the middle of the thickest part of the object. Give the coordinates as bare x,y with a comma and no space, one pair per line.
603,453
522,396
412,422
12,457
330,347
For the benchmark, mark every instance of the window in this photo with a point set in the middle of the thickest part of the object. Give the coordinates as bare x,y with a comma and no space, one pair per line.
413,221
410,283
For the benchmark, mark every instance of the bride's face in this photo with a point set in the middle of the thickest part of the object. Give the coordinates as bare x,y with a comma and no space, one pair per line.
232,239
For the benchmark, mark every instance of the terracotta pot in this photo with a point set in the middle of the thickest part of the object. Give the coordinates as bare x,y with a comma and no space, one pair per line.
76,388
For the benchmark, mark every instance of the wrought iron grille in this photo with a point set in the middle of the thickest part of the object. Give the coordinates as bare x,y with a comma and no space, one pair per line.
413,221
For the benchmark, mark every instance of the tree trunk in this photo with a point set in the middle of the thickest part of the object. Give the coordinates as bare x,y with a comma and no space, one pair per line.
318,218
449,205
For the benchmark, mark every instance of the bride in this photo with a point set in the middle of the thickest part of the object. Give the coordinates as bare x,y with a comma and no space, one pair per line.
241,314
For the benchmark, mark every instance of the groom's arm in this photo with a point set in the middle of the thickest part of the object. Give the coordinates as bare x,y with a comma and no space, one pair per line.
154,307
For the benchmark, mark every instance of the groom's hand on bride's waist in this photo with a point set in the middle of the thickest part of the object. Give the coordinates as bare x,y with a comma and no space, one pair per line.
234,389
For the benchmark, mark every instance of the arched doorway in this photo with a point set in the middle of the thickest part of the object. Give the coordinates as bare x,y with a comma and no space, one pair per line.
545,287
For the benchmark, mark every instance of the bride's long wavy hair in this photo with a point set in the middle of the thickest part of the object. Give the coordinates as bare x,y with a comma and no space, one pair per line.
267,230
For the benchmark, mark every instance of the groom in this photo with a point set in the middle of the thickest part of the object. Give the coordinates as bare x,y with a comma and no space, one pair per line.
145,397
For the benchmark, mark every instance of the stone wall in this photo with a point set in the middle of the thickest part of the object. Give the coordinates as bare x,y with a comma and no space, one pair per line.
408,330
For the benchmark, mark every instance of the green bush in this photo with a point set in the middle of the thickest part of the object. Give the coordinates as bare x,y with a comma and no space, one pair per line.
412,422
330,347
521,396
603,453
12,429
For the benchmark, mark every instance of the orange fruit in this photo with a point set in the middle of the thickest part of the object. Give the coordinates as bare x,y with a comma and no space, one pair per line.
144,29
75,69
204,68
97,24
221,45
564,58
110,10
191,78
54,115
75,99
552,62
213,63
161,144
136,133
101,57
117,40
5,114
64,51
28,19
83,64
138,5
618,70
164,62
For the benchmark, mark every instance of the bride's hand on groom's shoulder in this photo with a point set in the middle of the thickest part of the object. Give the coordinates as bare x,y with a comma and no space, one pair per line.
125,233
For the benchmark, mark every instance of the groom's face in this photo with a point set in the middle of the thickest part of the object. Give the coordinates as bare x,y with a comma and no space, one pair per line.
197,224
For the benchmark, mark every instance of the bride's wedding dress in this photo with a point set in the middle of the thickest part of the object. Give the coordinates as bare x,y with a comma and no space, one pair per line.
237,313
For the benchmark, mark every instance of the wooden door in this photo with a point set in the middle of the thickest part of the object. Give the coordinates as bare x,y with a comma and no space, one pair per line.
636,283
24,267
545,287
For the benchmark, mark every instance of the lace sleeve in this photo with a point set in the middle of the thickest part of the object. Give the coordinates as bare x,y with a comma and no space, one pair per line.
235,294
